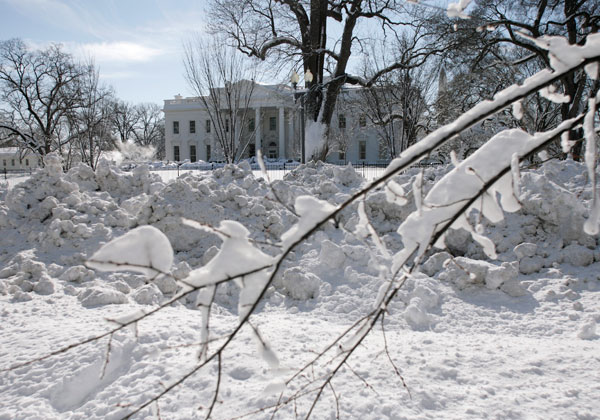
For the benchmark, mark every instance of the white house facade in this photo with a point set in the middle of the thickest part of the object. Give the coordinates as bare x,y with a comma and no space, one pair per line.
13,159
273,126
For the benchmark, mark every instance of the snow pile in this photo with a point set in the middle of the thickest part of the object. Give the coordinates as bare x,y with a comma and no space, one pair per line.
229,193
53,222
564,214
326,182
76,210
542,286
422,297
387,208
298,284
118,184
464,272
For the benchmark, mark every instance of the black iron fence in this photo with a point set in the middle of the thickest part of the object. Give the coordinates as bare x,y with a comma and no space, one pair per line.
15,172
276,170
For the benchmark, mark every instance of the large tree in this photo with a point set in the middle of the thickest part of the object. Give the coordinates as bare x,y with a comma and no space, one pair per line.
149,129
395,103
223,79
90,125
522,25
38,91
124,118
300,31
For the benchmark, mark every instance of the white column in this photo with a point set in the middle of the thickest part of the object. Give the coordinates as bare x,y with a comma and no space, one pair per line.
281,132
290,138
258,129
237,132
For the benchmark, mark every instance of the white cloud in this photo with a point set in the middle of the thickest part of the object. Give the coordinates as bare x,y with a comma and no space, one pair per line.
116,75
120,51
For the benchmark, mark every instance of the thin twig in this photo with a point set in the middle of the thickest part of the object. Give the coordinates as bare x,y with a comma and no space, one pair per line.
363,380
107,358
389,357
158,411
217,387
337,402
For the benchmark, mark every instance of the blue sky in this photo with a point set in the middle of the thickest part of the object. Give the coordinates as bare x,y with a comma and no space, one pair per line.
137,44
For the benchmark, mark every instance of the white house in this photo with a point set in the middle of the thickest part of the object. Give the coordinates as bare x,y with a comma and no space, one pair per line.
273,126
13,159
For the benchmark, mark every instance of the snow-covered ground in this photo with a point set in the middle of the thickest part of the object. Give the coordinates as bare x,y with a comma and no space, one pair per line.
10,180
473,338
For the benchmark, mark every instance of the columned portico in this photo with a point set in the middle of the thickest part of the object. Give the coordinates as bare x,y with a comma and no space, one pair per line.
272,130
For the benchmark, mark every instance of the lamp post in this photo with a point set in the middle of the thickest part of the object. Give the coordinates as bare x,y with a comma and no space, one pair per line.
294,79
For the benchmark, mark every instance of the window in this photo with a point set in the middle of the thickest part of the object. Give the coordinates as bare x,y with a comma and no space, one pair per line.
208,126
176,153
272,152
175,127
192,127
227,125
342,121
207,152
192,153
342,156
362,120
26,162
362,150
12,162
251,125
273,123
4,162
252,150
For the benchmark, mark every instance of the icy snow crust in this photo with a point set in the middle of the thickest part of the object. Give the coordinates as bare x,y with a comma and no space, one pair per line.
513,337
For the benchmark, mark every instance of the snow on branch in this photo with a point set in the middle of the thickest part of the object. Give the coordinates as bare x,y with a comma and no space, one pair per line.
235,259
488,170
579,56
388,118
145,250
272,43
457,9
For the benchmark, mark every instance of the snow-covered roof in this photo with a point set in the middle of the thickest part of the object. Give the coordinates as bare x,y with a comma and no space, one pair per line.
262,95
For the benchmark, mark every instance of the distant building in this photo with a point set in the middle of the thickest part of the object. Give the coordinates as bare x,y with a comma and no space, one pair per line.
13,159
273,125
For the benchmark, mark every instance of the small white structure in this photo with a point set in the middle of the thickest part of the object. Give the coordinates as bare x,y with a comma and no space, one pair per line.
273,127
14,159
